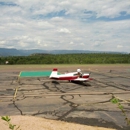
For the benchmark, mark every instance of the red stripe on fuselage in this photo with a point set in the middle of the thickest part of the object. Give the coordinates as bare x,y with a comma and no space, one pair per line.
69,77
85,76
65,78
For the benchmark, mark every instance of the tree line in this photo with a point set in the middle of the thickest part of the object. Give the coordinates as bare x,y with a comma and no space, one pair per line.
95,58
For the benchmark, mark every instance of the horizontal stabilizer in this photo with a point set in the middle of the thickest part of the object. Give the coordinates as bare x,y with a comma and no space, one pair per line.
55,69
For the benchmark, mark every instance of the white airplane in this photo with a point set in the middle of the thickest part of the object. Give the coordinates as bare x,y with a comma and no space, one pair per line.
73,76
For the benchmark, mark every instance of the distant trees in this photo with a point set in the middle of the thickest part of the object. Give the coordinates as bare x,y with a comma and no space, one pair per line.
95,58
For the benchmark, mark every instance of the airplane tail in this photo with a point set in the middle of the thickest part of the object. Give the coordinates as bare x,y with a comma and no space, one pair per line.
54,73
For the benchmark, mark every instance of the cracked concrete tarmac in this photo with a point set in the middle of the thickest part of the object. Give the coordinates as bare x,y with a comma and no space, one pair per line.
84,103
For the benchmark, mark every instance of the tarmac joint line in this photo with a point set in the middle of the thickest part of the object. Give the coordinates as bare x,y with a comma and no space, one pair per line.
14,98
15,94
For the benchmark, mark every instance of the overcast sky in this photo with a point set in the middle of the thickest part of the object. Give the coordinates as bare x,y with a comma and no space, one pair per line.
99,25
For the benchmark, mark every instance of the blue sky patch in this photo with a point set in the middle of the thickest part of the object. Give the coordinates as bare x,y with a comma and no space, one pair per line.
93,18
7,4
50,15
55,14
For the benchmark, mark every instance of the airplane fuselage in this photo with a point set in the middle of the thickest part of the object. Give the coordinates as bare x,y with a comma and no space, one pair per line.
69,76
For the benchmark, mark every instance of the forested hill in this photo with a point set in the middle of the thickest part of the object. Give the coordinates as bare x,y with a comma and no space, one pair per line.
90,58
15,52
14,56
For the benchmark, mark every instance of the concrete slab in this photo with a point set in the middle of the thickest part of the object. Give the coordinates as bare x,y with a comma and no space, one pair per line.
86,103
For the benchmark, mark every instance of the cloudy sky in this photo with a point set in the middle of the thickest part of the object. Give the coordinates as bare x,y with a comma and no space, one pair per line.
99,25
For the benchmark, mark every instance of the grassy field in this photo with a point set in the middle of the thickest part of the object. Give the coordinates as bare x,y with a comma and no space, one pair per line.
61,66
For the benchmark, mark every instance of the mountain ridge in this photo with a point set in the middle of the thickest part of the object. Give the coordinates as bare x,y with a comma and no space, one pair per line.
16,52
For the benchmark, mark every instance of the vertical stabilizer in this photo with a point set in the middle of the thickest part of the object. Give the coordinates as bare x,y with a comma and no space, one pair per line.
54,73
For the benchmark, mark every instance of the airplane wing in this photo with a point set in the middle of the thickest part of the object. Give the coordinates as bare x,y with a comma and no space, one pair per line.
81,79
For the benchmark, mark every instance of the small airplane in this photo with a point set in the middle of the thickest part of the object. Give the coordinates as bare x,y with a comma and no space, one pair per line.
73,76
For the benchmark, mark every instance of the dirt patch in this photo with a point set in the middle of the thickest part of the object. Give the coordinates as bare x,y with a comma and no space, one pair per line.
36,123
